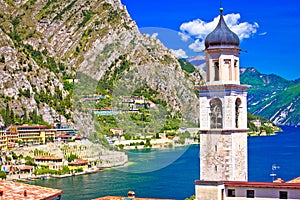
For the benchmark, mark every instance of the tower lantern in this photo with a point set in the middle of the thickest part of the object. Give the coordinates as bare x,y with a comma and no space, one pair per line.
222,55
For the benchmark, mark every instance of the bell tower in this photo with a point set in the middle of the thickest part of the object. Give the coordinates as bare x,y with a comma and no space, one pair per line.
223,110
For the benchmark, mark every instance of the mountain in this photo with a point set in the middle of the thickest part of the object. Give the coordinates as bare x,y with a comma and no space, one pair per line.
272,97
198,62
55,51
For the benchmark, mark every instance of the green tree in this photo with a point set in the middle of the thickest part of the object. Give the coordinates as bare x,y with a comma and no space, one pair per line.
65,170
72,157
7,112
8,158
35,119
28,158
148,143
191,198
2,175
30,163
2,59
14,156
25,117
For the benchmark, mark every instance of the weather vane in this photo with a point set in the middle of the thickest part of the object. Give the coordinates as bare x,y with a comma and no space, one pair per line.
221,9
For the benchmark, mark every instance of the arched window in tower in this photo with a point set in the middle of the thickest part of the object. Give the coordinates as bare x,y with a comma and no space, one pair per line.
216,117
237,111
217,70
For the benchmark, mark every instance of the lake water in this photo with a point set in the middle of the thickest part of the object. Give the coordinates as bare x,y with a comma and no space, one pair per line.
171,173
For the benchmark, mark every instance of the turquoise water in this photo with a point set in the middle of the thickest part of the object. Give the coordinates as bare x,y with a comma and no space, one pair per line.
171,173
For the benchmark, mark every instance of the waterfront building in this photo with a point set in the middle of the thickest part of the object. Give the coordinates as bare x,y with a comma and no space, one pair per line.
12,136
53,162
116,131
66,130
30,134
256,123
63,137
78,163
223,128
3,140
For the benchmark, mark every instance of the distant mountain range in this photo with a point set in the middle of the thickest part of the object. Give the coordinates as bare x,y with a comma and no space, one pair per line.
270,96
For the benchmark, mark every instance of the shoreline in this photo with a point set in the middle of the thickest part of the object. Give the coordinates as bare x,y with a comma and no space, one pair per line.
24,177
30,177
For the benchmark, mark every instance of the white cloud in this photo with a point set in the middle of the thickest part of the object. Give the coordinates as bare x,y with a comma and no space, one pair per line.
264,33
154,35
179,53
197,45
199,29
184,37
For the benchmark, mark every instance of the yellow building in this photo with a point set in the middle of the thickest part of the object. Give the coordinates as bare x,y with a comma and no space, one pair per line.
3,140
78,163
31,134
116,131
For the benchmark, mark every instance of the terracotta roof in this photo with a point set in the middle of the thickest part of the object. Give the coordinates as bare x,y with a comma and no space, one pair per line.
64,135
16,191
125,198
251,184
263,184
47,158
26,167
78,137
78,161
32,126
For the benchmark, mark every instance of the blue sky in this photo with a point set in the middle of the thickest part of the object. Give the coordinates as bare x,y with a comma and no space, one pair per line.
269,30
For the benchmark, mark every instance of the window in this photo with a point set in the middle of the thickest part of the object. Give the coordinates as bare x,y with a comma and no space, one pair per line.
283,194
250,193
216,118
231,192
222,194
238,102
216,168
216,66
227,61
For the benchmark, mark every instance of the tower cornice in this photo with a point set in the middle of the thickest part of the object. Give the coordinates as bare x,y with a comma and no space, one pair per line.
223,87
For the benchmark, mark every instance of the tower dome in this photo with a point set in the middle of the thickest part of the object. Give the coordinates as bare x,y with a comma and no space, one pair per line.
222,36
